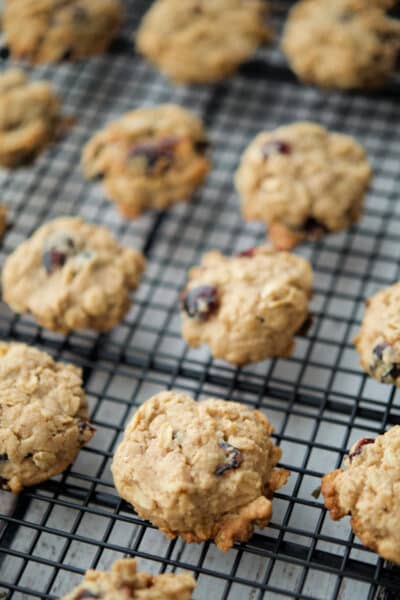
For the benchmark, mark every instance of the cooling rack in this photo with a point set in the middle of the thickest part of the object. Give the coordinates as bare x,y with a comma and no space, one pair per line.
319,400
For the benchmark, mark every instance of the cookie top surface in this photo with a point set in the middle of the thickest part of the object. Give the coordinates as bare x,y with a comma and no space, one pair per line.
202,41
72,275
378,341
368,489
55,30
150,158
123,582
342,43
199,470
29,116
44,416
247,307
302,181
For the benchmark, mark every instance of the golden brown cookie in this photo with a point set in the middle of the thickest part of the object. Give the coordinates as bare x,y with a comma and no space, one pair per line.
150,158
303,182
44,416
72,275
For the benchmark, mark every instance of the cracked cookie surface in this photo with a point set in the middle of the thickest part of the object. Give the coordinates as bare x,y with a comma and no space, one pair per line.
30,117
201,470
150,158
123,581
44,416
72,275
368,489
54,30
342,43
303,182
200,41
248,307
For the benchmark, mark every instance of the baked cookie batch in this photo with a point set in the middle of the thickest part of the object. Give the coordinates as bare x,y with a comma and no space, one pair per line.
199,470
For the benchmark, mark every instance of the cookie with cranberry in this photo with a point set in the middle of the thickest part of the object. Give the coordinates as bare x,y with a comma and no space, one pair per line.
303,182
199,470
44,416
342,43
72,275
123,581
150,158
248,307
200,41
30,117
367,488
43,31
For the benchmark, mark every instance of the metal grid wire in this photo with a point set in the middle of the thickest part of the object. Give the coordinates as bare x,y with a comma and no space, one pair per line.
319,400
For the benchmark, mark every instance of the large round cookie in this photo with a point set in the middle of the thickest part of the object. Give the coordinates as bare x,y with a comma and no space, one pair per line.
302,181
342,43
246,307
199,41
53,30
44,416
152,157
199,470
123,582
72,275
368,488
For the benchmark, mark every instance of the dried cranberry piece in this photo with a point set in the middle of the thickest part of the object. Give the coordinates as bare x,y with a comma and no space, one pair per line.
200,301
312,226
247,253
275,147
58,248
392,371
84,426
3,457
86,594
155,150
358,446
233,458
379,349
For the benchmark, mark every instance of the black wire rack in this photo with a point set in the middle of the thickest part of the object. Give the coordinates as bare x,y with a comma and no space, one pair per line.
319,400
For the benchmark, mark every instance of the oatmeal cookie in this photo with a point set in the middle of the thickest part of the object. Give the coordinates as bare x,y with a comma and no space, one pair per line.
378,342
44,416
342,43
303,182
30,117
368,489
247,307
151,158
200,470
72,275
200,41
44,31
123,582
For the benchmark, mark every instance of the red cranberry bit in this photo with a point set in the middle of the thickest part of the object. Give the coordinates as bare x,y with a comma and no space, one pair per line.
200,301
233,458
58,249
379,349
275,147
247,253
358,446
156,151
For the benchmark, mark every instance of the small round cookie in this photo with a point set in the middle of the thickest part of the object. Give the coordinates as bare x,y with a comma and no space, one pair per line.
44,416
123,582
200,41
368,489
248,307
303,182
150,158
72,275
200,470
52,30
342,43
30,117
378,342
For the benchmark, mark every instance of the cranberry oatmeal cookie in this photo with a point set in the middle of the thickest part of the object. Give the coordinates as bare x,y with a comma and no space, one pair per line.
342,43
303,182
123,582
200,470
72,275
200,41
368,489
150,158
54,30
247,307
44,416
30,117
